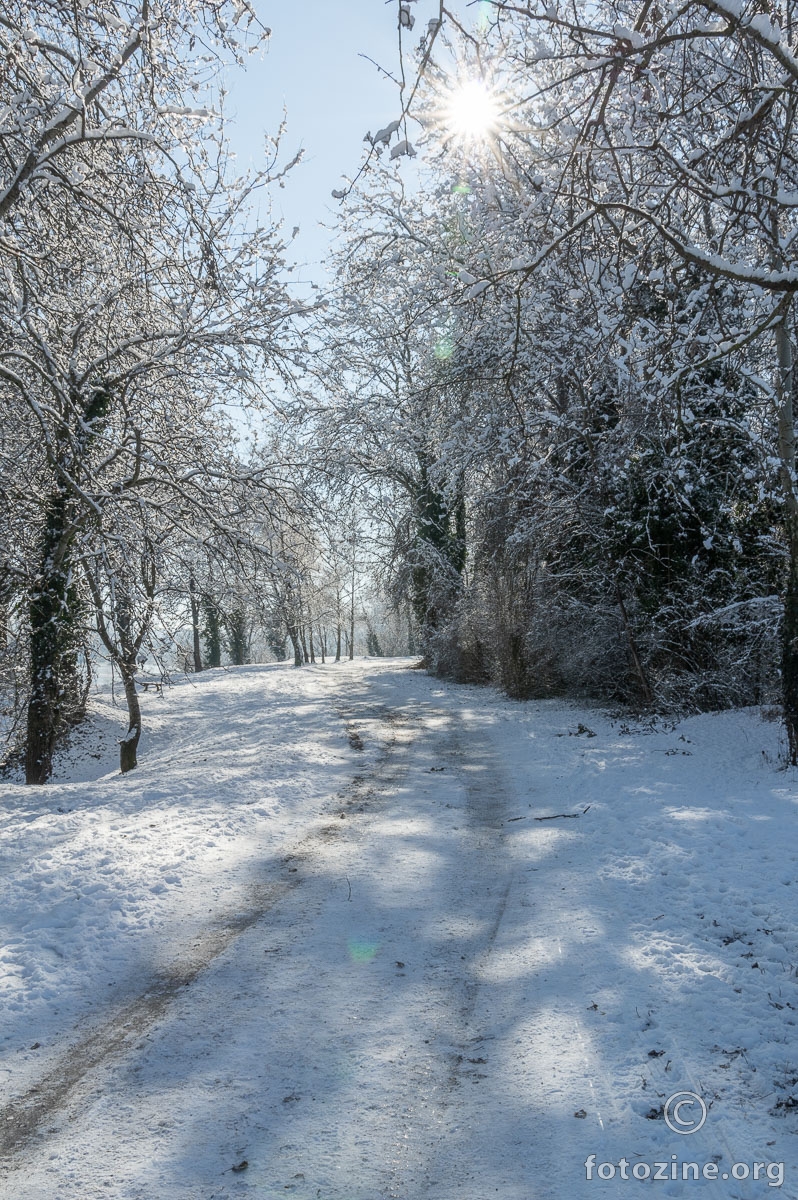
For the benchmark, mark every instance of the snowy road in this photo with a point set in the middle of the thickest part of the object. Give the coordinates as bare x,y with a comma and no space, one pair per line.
470,944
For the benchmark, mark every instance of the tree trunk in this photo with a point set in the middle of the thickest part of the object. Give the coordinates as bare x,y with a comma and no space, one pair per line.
237,637
789,659
4,610
53,612
352,610
42,726
195,629
129,743
293,634
310,642
338,630
646,694
789,653
213,633
56,696
411,640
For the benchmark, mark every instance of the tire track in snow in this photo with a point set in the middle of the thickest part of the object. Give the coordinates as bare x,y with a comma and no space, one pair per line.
119,1033
22,1118
481,846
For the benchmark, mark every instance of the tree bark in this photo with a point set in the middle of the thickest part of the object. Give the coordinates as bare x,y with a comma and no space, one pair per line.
411,640
293,634
41,729
54,607
4,610
338,625
195,629
213,633
789,647
352,609
129,744
53,644
646,693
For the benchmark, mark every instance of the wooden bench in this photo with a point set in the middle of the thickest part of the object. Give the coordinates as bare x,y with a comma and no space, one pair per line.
144,685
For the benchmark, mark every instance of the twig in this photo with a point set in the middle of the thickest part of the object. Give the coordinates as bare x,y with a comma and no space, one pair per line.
645,686
559,816
387,74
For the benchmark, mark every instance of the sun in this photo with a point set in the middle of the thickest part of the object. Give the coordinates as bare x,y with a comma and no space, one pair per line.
472,112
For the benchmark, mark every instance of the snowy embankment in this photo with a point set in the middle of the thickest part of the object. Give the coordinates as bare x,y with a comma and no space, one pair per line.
372,935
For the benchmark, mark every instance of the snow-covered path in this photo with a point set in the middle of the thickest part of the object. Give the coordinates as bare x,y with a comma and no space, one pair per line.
375,936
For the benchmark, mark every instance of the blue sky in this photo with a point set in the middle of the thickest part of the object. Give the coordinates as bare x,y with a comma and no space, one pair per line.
314,66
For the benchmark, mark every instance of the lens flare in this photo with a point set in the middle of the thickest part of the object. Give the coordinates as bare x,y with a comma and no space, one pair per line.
473,111
361,950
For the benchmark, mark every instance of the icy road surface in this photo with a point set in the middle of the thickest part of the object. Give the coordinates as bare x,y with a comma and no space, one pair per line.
350,933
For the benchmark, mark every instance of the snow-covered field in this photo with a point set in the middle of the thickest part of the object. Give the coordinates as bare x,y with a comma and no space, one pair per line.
376,936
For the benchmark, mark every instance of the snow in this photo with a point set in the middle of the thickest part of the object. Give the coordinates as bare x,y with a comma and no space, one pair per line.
383,136
401,149
180,110
476,289
456,961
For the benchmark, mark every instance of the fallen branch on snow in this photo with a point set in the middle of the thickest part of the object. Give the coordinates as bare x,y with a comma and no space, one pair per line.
557,816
